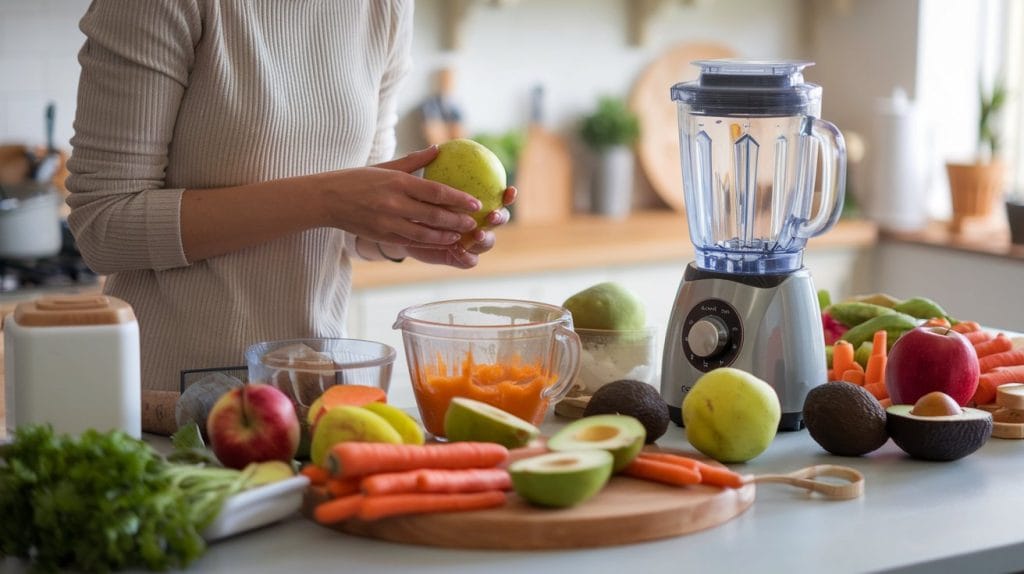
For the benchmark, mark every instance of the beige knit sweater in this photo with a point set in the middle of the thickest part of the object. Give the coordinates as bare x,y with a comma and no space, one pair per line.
178,94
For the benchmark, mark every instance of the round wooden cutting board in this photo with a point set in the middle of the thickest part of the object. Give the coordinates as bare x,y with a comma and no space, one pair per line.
625,511
658,146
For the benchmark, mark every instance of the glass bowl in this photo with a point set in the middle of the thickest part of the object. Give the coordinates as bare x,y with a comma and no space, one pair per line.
304,368
607,356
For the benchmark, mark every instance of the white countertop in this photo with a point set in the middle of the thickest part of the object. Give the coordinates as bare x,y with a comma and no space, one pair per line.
962,516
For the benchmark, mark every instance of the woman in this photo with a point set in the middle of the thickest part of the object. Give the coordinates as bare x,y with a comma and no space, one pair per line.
218,171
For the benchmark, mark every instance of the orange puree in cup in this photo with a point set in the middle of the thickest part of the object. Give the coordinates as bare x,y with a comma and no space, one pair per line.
512,387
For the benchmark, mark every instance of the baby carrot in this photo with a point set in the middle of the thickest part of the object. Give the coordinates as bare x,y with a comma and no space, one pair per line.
977,337
999,344
338,509
986,392
376,507
339,487
1002,376
842,359
663,472
886,403
966,327
936,322
467,480
855,376
875,373
317,475
362,458
1005,359
877,390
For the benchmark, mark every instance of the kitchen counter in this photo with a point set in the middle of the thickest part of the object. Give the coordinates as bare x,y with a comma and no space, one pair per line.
916,516
990,241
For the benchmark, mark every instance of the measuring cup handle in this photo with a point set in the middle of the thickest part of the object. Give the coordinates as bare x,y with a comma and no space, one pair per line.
833,178
568,362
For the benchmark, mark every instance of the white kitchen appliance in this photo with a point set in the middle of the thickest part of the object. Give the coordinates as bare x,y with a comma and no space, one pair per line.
750,137
72,361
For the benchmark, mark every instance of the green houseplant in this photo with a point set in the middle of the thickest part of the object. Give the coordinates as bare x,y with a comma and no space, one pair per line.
610,132
976,187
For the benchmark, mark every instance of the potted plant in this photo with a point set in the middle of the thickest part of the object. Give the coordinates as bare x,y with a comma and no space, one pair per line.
976,187
610,133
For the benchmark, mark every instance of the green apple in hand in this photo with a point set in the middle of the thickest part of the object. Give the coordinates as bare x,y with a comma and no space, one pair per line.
731,415
470,167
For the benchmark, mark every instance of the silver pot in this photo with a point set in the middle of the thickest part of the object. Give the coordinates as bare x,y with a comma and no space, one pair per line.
29,221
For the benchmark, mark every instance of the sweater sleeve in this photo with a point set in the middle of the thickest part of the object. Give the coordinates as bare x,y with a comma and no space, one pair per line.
135,65
398,65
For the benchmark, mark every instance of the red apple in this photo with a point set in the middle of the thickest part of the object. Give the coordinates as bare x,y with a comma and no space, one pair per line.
253,423
929,359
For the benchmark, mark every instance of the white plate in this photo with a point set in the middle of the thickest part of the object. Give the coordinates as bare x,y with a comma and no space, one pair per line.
257,507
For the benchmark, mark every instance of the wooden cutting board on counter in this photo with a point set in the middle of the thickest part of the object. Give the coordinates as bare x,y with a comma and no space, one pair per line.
626,511
544,172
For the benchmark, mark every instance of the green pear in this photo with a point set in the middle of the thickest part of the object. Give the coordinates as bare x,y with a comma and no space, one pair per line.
561,479
731,415
470,167
621,436
608,306
471,420
348,423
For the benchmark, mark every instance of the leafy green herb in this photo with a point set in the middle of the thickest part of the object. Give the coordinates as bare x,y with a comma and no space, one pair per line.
103,501
612,124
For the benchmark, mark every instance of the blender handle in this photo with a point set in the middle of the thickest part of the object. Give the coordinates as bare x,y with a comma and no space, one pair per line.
833,178
568,364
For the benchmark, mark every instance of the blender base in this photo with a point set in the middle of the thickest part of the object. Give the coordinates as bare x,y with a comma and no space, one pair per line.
768,325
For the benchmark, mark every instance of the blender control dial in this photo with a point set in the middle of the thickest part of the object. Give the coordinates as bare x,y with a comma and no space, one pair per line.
712,335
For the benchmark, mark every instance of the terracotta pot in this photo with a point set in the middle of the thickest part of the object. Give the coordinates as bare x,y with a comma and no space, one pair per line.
975,189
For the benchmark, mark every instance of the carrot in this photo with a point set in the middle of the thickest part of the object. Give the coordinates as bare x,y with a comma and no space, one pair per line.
338,509
317,475
349,459
877,390
936,322
339,487
344,395
467,480
977,337
999,344
842,359
390,482
855,376
875,373
1002,376
1005,359
886,403
663,472
672,459
376,507
966,327
986,391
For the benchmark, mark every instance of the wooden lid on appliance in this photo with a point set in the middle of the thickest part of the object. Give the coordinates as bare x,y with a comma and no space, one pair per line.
73,310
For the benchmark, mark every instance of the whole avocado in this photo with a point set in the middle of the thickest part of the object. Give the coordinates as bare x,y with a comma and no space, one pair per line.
845,419
634,398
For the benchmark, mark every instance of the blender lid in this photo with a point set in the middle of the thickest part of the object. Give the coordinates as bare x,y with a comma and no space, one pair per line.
738,87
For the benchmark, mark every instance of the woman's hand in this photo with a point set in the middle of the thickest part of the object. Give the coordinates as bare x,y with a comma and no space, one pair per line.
387,204
466,253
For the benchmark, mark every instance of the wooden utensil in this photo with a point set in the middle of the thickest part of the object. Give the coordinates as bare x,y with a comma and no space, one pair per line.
852,487
544,172
442,118
657,148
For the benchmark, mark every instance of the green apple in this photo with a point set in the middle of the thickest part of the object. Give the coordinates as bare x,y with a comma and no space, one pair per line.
561,479
606,305
622,436
731,415
471,420
348,423
470,167
406,426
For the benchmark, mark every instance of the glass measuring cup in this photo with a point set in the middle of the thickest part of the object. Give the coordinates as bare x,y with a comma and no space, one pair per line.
519,356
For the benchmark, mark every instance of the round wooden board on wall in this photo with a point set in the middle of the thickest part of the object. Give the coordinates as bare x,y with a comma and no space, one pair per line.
658,146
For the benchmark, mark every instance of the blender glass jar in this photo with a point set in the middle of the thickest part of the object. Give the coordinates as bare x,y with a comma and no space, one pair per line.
749,141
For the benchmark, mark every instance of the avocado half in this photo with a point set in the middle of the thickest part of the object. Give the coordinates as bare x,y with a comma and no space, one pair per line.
939,438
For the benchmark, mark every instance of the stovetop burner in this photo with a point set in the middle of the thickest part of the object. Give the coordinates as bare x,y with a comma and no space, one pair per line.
66,269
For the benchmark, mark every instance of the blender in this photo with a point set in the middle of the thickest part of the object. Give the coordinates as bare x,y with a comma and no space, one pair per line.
749,140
